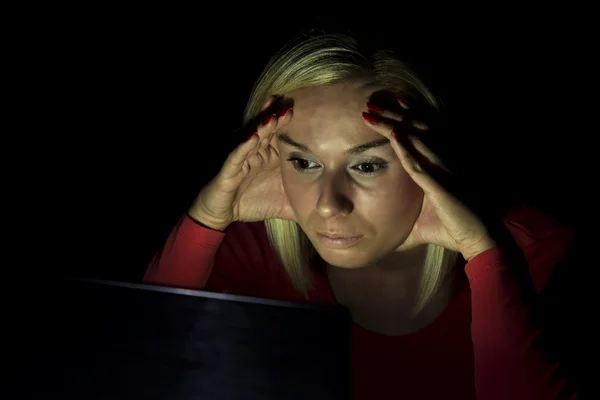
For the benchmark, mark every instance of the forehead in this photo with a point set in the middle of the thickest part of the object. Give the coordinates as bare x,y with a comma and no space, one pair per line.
331,96
327,114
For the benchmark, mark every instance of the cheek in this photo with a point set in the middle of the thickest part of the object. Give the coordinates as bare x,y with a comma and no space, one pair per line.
297,192
394,201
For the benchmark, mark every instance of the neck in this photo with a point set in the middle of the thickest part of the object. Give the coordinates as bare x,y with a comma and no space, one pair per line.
404,260
382,297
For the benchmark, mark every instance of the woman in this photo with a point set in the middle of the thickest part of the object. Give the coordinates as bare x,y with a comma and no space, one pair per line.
358,211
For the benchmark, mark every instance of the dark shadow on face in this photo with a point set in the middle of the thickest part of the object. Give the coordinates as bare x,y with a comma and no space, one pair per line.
280,103
437,138
450,146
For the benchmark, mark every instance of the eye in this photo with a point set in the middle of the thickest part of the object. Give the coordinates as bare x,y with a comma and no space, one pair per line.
301,164
370,168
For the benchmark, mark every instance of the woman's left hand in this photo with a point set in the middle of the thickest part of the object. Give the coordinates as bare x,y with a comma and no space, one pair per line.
444,220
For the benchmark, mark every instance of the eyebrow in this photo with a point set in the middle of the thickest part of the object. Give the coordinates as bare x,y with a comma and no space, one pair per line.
353,150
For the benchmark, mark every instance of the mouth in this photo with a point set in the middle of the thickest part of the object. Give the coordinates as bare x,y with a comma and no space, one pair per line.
338,241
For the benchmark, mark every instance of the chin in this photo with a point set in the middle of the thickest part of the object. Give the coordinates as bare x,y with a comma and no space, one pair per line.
349,257
350,260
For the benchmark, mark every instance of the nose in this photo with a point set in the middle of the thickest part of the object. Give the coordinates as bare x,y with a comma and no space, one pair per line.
334,199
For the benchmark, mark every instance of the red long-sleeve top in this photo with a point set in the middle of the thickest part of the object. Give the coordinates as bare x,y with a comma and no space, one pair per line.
483,346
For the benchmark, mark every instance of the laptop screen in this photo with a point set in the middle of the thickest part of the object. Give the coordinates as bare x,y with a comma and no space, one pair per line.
112,340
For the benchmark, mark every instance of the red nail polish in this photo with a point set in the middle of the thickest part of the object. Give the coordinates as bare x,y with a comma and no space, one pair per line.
370,118
250,136
373,107
283,112
267,120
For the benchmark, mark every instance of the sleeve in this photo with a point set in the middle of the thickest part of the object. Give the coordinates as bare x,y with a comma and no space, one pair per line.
512,360
238,260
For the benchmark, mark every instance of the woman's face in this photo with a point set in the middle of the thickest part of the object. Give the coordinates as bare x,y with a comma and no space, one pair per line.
344,188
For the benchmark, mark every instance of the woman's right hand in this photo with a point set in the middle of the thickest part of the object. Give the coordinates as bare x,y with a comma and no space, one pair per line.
248,187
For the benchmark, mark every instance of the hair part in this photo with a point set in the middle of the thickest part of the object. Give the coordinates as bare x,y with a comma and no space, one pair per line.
325,59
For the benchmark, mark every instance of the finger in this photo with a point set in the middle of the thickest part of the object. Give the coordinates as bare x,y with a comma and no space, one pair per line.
269,125
415,169
402,101
264,130
273,121
379,124
405,118
388,130
413,164
424,150
266,126
284,117
416,121
237,157
267,130
383,112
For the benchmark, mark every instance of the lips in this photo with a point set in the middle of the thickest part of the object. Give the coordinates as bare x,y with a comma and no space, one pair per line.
338,241
338,235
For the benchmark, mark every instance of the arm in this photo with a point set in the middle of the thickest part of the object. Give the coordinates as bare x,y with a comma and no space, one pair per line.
238,260
512,360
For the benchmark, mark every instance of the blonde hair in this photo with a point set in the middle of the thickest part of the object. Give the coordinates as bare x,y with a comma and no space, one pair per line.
323,59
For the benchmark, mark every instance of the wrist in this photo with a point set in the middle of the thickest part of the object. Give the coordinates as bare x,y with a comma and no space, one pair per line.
481,247
203,220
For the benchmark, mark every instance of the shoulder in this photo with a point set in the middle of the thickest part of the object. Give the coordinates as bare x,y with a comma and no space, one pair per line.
542,238
247,229
251,240
251,236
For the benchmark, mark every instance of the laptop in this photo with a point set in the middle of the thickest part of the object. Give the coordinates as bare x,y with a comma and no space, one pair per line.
118,340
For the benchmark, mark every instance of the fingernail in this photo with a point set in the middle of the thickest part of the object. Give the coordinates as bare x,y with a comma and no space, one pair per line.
370,118
373,107
402,101
283,112
250,136
267,120
394,133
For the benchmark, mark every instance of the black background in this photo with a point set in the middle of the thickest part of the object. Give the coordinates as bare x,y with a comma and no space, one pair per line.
119,118
137,112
